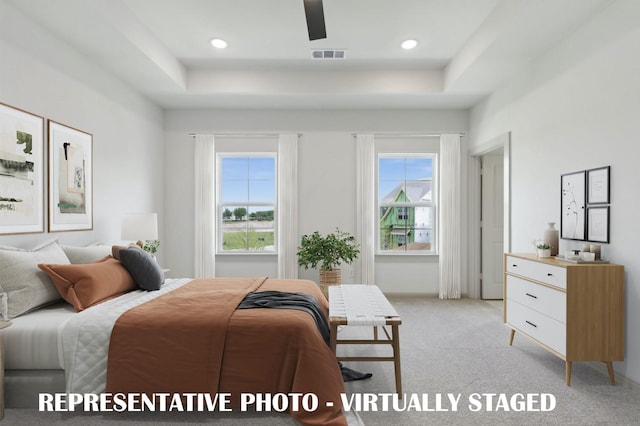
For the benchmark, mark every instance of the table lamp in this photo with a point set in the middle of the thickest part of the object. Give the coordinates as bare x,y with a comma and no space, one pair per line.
140,227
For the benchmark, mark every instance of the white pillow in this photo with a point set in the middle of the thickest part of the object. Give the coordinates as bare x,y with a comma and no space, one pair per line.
87,254
26,286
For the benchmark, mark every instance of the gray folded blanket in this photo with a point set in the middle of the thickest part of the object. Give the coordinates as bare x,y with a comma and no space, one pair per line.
302,302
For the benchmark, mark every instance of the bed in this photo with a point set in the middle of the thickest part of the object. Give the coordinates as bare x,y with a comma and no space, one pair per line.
101,347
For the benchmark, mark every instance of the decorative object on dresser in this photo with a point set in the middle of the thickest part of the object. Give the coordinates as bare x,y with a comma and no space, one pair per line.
328,251
551,238
70,178
21,171
574,310
544,250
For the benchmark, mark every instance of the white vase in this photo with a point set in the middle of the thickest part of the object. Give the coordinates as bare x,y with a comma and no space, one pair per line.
551,237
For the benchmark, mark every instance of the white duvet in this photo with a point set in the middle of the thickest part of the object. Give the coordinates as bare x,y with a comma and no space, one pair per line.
85,339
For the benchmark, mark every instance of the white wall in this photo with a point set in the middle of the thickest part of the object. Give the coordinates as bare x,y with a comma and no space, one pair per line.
575,109
326,168
42,75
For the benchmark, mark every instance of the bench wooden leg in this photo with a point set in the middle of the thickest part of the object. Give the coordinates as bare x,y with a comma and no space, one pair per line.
333,337
396,356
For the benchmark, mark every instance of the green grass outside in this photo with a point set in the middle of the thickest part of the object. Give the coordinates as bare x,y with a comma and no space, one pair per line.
238,240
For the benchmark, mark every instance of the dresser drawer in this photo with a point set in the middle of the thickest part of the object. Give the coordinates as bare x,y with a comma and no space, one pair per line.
539,271
544,329
543,299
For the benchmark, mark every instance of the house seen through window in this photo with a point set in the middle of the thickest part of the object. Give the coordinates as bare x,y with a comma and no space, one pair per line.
406,208
247,203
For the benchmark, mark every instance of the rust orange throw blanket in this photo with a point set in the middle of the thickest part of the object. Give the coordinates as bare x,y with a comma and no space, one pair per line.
194,340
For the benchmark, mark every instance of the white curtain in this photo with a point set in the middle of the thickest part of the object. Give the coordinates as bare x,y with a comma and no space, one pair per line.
365,182
205,217
449,247
288,206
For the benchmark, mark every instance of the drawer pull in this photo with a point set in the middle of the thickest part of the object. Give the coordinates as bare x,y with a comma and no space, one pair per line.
514,265
530,323
531,295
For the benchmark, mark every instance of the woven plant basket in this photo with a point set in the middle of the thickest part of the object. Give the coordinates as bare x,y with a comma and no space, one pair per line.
329,277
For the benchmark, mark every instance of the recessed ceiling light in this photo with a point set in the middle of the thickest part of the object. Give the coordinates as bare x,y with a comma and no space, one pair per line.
409,44
218,43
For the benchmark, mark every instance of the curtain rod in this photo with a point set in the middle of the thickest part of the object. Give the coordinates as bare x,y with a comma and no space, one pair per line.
243,135
377,134
406,135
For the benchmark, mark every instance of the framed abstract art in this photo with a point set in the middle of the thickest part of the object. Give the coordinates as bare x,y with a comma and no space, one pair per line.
70,178
21,171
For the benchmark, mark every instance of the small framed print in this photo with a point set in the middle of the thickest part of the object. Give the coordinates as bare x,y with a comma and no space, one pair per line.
598,224
598,185
70,178
22,171
572,203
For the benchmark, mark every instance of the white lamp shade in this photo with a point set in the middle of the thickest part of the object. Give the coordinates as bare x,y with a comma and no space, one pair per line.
140,226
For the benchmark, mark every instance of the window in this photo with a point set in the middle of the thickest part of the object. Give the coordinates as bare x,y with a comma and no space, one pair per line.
406,203
402,213
247,203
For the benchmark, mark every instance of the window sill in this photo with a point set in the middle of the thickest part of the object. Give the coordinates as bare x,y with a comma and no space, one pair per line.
247,253
406,253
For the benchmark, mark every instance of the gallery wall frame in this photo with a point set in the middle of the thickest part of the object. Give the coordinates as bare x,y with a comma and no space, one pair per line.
598,185
21,171
70,178
572,205
598,224
585,199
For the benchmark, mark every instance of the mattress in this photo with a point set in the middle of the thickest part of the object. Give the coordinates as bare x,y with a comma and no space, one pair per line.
34,340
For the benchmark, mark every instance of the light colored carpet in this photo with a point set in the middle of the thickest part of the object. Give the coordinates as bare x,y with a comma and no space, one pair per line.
458,347
461,347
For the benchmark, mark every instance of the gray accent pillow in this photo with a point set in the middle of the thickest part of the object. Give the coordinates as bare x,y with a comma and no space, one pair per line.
87,254
26,286
144,269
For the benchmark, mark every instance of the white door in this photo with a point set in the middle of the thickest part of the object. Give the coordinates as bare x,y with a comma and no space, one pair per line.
492,225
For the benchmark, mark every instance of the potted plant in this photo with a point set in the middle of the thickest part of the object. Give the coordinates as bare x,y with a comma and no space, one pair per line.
327,253
544,250
151,246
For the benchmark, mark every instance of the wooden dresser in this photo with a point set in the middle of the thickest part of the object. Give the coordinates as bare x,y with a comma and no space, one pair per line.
574,310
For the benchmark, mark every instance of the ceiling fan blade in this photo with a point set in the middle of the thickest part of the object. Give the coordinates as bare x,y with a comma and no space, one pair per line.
315,19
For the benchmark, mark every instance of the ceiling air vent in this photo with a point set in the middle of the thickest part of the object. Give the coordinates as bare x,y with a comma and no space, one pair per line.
328,54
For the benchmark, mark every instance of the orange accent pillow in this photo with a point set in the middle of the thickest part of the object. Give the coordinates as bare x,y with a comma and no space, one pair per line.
85,285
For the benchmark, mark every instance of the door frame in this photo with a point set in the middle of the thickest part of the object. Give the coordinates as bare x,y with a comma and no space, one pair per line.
474,247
